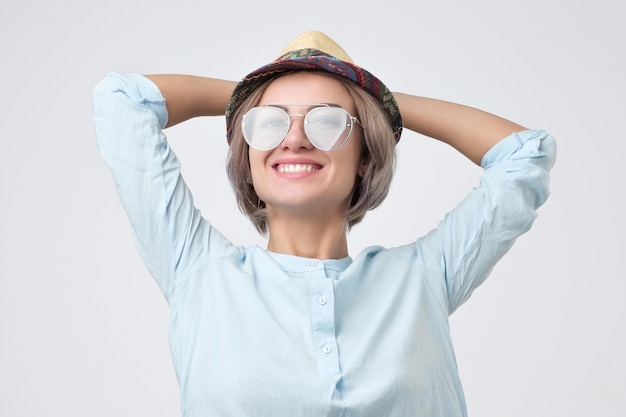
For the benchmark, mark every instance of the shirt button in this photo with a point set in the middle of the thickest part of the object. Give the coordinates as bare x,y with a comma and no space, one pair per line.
322,300
326,349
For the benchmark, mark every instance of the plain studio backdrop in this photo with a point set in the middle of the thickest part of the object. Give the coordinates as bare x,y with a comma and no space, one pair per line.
83,327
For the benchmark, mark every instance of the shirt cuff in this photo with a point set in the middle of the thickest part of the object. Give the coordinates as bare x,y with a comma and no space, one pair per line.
141,90
526,144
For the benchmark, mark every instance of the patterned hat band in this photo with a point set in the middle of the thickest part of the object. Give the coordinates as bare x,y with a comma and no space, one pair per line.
314,51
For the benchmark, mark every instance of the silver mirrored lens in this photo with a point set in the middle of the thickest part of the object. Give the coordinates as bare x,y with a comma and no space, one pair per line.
328,128
265,128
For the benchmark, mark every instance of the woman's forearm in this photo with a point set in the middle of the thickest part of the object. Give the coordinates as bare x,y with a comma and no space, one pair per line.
189,96
469,130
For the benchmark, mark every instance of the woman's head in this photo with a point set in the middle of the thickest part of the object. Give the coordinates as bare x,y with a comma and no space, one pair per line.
310,62
360,172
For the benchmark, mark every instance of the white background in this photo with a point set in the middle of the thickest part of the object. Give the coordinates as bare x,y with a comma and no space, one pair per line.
83,328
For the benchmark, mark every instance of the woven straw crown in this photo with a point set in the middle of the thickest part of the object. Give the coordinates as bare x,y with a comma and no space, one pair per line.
315,51
318,41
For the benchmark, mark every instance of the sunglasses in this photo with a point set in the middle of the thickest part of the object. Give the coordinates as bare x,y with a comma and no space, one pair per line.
327,127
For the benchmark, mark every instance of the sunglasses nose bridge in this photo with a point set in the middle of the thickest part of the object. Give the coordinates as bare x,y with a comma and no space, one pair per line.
296,135
291,124
290,115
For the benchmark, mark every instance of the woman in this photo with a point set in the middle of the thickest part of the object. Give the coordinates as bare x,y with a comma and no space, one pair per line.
301,328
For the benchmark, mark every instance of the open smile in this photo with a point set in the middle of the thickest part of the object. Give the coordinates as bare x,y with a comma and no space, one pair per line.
289,168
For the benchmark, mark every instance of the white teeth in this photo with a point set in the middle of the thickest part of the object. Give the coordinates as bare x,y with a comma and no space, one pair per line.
296,168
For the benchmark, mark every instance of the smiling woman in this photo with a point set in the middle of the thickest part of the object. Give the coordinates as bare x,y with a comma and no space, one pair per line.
301,328
375,135
317,197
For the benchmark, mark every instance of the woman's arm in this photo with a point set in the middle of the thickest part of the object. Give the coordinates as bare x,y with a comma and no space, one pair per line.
189,96
469,130
473,237
129,115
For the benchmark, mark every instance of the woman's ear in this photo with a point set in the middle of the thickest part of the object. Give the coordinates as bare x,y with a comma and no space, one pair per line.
363,168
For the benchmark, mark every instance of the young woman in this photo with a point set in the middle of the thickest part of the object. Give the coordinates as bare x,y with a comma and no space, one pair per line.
301,328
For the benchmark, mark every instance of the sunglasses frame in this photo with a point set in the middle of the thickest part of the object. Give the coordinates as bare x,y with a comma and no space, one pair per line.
311,107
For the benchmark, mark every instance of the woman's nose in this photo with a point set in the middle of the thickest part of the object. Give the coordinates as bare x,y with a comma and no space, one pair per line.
296,136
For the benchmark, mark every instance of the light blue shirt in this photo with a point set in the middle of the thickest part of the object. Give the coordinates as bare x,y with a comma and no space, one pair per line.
255,333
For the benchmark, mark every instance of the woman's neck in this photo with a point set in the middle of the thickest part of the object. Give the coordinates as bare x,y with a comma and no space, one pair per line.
320,238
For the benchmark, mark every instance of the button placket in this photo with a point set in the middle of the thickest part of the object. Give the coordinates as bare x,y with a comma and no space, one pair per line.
323,325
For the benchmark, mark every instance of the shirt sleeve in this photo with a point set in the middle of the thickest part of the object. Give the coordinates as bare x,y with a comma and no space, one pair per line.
470,239
169,232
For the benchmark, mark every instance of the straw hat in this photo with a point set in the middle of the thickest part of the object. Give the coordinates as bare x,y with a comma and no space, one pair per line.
315,51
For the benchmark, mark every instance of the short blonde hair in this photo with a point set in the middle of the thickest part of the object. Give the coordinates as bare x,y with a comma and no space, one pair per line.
378,150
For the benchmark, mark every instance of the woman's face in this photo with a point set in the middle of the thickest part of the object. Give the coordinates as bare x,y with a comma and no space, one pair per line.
295,176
